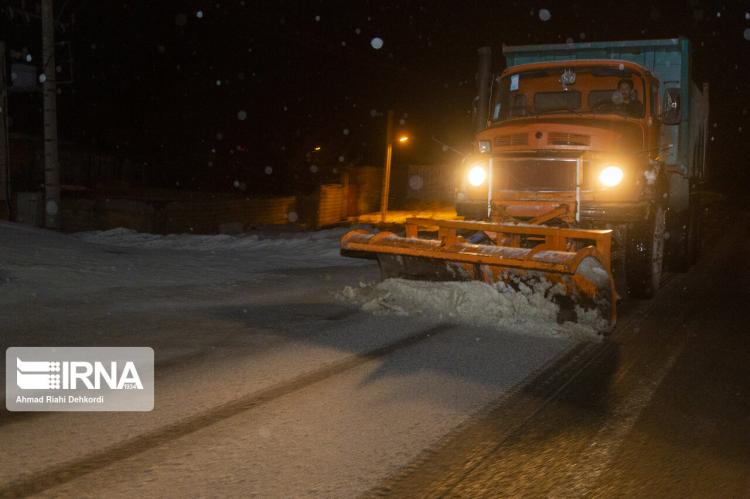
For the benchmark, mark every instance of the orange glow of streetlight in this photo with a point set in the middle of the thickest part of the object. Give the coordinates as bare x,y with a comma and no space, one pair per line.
403,139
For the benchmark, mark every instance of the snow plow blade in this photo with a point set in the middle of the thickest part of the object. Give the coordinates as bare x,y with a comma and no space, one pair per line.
576,259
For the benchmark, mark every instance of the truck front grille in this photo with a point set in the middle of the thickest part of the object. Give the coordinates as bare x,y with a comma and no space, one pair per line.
516,139
534,174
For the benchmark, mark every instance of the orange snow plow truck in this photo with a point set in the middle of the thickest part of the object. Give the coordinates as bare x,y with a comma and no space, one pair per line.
587,164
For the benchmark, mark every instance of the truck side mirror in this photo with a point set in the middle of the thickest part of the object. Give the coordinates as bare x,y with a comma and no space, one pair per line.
671,114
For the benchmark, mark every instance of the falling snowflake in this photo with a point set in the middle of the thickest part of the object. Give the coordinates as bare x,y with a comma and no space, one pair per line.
292,216
345,131
317,19
376,43
341,159
219,136
416,182
199,14
357,31
268,170
28,57
314,168
544,15
42,78
242,115
746,34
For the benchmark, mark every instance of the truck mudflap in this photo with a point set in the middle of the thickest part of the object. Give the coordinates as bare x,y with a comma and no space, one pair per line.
575,263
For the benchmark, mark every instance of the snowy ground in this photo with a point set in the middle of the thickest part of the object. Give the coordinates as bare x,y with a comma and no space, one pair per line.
229,317
475,304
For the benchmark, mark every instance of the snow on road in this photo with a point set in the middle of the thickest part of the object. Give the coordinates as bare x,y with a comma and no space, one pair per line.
230,316
37,263
525,311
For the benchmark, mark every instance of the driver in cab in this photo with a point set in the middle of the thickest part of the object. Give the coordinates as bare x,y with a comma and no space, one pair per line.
626,100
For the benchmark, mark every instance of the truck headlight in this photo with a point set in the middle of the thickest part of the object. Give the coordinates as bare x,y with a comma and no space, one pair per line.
485,146
477,174
611,176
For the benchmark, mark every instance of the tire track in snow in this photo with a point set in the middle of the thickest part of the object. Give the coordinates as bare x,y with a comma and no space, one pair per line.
583,476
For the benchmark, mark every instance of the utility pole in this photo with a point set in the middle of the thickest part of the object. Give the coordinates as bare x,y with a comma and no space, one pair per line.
387,172
484,75
49,88
5,211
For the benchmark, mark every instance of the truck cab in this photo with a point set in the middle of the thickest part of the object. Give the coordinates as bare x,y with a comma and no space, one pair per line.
588,136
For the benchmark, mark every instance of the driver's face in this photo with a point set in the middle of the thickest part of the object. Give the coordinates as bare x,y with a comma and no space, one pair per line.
625,91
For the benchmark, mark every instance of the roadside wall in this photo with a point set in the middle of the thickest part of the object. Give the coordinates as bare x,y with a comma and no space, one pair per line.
169,212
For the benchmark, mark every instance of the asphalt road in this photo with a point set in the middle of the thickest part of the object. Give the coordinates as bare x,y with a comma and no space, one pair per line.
268,387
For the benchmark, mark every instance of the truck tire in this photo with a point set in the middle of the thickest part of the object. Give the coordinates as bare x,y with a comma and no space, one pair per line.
644,255
683,245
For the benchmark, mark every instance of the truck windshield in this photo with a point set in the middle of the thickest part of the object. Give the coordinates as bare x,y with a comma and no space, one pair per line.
594,89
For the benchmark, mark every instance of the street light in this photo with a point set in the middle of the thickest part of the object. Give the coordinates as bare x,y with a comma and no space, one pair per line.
402,139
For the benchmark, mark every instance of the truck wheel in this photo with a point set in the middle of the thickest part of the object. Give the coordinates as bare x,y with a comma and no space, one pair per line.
644,255
684,238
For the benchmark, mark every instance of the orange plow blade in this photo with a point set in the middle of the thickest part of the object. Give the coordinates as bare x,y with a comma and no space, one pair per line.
578,260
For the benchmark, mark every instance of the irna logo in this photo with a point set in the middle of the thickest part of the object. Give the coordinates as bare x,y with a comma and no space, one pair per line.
72,375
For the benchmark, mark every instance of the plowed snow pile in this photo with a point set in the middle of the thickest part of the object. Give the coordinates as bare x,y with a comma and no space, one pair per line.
323,240
474,303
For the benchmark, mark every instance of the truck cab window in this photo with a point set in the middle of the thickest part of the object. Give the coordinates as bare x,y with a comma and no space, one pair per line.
594,90
545,102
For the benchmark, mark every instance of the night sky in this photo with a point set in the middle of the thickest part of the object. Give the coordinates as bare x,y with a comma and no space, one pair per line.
208,93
